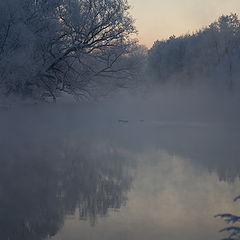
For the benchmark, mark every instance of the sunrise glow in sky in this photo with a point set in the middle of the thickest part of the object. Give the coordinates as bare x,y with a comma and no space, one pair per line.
159,19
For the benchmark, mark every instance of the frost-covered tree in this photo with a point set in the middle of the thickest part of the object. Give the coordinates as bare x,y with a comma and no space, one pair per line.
71,46
208,54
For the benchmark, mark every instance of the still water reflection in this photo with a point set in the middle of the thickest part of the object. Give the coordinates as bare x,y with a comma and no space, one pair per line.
119,181
39,188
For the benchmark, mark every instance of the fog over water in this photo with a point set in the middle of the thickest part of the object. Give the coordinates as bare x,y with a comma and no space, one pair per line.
153,165
103,138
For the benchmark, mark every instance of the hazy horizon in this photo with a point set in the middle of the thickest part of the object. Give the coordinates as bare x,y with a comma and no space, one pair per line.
157,20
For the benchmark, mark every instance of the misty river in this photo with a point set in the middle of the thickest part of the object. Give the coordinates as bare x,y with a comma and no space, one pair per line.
119,120
104,174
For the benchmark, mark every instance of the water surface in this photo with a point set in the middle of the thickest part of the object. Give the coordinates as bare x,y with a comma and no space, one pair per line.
111,179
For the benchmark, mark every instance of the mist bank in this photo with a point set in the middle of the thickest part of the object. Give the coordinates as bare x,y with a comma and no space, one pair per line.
130,120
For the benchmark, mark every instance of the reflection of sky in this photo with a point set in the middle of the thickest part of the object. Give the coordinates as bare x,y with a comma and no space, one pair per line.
171,198
157,19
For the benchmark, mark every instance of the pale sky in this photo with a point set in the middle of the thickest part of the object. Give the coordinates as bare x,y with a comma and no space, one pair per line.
159,19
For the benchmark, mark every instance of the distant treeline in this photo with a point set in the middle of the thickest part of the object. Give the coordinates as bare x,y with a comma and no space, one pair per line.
211,54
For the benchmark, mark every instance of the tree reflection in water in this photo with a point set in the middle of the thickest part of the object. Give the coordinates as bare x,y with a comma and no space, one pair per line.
41,184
